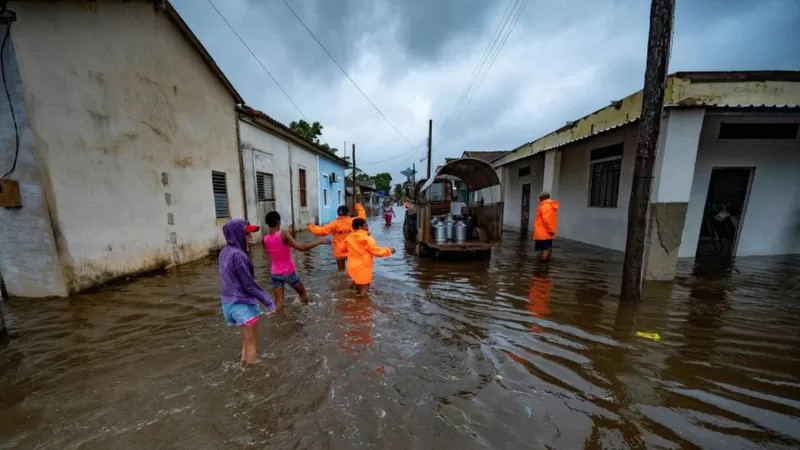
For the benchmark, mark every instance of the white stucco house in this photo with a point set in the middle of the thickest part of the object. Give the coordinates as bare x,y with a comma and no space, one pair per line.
122,135
281,171
726,182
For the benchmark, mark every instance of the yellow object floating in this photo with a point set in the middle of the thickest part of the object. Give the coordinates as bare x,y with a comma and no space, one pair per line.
651,336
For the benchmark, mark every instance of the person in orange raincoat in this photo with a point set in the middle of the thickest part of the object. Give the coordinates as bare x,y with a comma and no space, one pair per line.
340,229
361,248
545,225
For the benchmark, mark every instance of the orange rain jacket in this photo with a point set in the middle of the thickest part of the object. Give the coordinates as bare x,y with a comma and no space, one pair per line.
361,248
544,228
339,228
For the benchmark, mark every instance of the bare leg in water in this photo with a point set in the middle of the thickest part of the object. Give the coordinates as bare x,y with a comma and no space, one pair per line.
250,343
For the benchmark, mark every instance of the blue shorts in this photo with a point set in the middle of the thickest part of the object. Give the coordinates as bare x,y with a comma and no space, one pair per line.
543,244
240,314
279,281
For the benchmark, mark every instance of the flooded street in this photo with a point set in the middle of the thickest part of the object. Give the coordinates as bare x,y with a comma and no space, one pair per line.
502,354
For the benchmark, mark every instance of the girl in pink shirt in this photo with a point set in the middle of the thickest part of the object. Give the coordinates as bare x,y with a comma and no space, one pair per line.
278,245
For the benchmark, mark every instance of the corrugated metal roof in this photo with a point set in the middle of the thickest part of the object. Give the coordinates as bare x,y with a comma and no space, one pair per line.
778,90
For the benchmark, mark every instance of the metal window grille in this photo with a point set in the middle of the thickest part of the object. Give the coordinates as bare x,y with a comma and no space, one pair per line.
265,187
604,190
219,182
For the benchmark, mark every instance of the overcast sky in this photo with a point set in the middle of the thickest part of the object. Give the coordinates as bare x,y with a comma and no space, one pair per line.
413,58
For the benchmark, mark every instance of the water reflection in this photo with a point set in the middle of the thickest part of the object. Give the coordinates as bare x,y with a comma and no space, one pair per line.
499,354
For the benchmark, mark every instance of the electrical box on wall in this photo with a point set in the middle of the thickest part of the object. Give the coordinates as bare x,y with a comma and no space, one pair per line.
9,194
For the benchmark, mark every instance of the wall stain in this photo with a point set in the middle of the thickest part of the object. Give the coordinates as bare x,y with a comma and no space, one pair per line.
185,162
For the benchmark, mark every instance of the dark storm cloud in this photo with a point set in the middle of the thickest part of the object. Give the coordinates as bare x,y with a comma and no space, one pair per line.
563,60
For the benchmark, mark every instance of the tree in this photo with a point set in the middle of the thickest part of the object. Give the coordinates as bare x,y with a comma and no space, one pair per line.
311,133
383,182
399,192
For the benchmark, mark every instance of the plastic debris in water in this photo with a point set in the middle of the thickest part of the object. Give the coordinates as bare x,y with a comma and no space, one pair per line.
651,336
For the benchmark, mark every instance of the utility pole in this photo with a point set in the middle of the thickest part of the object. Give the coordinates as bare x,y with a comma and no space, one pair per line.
662,16
354,178
430,143
414,183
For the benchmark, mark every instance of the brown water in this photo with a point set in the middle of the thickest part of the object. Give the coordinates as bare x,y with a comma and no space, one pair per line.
444,355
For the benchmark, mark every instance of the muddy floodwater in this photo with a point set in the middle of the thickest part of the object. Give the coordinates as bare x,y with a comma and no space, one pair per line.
444,355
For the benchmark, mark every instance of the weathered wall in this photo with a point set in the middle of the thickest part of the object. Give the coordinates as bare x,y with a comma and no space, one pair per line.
512,196
29,263
264,152
335,190
604,227
772,218
303,159
117,97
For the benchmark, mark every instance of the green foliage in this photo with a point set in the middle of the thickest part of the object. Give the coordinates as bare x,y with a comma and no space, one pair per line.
399,192
311,133
383,182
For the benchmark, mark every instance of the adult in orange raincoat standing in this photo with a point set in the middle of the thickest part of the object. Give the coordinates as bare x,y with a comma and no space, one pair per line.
361,249
545,225
340,229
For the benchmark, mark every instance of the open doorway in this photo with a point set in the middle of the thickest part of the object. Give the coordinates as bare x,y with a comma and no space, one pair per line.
724,211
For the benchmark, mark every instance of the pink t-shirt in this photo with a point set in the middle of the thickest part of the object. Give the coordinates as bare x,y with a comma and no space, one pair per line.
280,253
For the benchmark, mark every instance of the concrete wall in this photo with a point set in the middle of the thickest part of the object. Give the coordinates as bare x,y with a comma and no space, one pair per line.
29,262
303,159
264,152
512,190
772,216
117,97
335,190
604,227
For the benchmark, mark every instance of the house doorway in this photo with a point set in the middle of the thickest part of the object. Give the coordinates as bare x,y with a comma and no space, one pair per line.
724,211
525,214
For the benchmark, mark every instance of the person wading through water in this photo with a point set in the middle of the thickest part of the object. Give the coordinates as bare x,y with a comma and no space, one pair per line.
544,228
340,229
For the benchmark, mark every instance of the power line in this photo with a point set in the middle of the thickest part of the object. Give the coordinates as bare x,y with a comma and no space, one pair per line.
346,74
262,65
481,62
414,149
497,52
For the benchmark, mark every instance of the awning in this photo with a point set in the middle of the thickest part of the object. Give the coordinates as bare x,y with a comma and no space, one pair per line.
474,172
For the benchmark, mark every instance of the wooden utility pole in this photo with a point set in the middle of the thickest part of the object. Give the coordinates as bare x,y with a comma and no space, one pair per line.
662,16
414,183
354,179
430,144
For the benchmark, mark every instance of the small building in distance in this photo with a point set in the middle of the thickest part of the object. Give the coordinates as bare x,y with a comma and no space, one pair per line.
726,180
286,173
122,137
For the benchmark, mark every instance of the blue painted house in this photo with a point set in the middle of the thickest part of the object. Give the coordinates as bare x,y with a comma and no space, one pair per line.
330,170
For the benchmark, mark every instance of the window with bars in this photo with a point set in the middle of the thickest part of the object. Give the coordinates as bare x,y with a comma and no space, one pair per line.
606,166
265,187
219,182
302,185
339,197
325,198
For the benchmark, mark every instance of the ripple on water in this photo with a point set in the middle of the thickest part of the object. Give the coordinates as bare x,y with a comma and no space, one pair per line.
499,354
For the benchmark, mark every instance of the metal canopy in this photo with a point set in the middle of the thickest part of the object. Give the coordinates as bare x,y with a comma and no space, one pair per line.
474,172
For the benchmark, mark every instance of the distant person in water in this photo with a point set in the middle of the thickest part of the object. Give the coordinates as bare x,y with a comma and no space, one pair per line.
278,245
340,229
388,213
361,248
545,225
240,292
